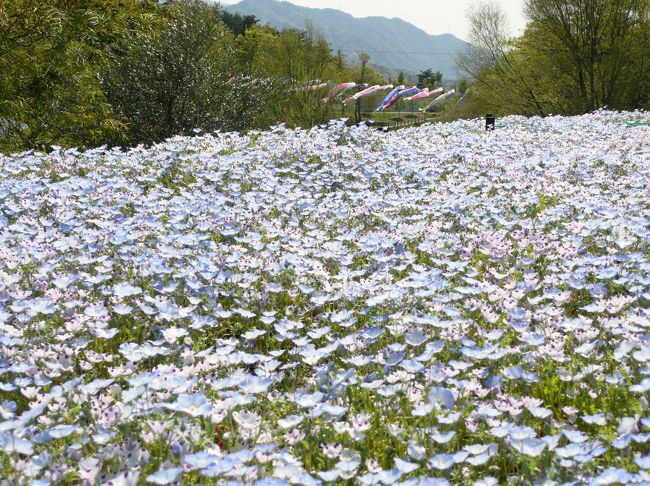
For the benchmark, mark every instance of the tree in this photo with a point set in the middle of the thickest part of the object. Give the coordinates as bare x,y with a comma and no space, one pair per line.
340,60
238,23
293,61
260,84
364,59
592,39
400,78
51,52
635,91
424,78
177,77
462,86
429,79
361,73
502,75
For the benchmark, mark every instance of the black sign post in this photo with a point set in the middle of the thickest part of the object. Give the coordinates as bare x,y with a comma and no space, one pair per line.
489,122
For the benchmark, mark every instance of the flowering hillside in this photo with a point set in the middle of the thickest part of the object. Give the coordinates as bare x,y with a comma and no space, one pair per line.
431,306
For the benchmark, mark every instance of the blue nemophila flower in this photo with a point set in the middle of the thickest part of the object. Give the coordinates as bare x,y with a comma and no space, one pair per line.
64,282
622,442
412,366
425,481
122,309
254,384
165,476
57,432
201,460
290,421
641,387
643,462
306,400
331,410
540,412
442,462
173,334
529,447
196,405
249,424
124,478
37,482
329,476
613,476
253,334
441,397
123,289
103,435
96,311
35,306
134,352
595,419
449,418
443,437
11,444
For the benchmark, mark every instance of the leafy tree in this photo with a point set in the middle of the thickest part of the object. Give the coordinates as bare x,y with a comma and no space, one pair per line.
429,79
51,52
574,56
592,40
635,92
364,59
176,77
260,83
462,86
502,78
238,23
293,61
340,60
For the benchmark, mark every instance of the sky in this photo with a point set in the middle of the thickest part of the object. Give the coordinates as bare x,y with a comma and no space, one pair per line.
432,16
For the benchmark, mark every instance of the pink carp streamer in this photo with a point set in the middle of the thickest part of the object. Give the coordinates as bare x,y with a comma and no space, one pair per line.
440,98
367,92
336,90
424,94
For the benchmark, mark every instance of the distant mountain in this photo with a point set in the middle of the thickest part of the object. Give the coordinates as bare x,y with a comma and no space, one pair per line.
393,44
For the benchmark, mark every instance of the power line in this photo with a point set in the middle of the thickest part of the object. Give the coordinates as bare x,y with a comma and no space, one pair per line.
400,52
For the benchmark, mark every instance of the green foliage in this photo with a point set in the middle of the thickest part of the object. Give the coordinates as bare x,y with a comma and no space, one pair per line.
238,23
462,86
299,59
591,43
50,55
572,58
129,71
429,79
175,77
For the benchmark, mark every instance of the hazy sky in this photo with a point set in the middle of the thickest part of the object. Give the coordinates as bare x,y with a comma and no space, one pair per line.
432,16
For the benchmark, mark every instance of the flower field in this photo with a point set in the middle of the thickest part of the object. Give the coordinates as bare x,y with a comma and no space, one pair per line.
433,306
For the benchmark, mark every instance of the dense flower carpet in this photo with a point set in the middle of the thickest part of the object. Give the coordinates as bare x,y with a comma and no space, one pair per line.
437,305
